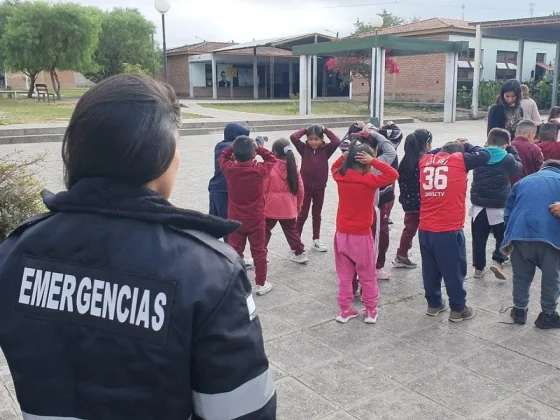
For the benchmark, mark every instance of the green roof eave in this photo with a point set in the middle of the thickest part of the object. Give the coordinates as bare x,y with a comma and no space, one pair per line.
399,46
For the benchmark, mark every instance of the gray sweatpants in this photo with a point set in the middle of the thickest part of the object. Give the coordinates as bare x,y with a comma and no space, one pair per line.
525,259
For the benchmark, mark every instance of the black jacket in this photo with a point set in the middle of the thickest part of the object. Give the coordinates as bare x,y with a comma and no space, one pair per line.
491,183
497,118
117,305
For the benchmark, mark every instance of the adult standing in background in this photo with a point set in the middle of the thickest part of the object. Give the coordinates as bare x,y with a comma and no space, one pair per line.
529,106
507,112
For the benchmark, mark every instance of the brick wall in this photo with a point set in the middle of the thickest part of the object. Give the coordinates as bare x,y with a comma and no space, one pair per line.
66,78
178,74
421,78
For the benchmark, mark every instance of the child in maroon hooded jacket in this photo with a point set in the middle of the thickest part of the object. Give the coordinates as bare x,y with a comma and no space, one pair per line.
315,154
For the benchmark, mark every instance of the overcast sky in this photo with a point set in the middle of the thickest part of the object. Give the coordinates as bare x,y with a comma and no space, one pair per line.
245,20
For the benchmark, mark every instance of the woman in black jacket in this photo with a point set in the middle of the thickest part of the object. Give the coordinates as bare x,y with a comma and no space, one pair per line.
506,113
118,305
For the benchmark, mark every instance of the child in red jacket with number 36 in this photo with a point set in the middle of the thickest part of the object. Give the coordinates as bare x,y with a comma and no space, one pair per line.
353,242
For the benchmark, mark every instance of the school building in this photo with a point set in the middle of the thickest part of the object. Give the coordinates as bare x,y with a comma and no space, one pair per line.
253,70
68,80
422,77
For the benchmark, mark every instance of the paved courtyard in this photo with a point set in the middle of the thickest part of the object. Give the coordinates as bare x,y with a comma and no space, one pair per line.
408,365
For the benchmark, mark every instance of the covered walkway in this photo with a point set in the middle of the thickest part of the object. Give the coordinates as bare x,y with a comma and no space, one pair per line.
377,46
540,29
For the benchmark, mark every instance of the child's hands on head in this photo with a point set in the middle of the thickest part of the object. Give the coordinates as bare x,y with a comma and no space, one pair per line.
462,140
364,158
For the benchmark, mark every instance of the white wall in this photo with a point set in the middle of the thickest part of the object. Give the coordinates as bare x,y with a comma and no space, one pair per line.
198,74
491,46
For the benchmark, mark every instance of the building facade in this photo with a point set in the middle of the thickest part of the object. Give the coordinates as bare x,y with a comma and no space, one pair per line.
68,80
422,77
257,70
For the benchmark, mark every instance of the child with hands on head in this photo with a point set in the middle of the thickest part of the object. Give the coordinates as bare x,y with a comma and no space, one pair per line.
315,154
245,184
353,244
284,198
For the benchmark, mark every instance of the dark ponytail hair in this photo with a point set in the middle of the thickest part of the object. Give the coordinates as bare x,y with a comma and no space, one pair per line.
414,146
283,149
354,128
351,161
315,129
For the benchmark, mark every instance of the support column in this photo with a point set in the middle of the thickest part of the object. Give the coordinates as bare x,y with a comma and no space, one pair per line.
477,63
372,110
291,78
214,78
309,83
303,106
191,85
266,69
325,80
520,53
315,72
350,87
271,77
376,70
450,105
556,74
255,75
381,85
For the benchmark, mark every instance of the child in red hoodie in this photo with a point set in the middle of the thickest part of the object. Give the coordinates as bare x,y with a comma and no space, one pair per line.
548,141
315,154
353,242
245,184
284,197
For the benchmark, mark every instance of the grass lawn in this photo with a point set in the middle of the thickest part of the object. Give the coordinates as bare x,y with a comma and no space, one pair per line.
30,111
356,108
73,93
25,111
292,108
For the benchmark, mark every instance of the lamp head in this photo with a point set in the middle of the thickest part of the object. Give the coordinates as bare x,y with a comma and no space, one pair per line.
162,6
376,22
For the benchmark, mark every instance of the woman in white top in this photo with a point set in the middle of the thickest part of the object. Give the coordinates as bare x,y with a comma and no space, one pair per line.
529,106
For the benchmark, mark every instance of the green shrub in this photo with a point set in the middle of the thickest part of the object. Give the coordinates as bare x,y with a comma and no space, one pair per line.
19,193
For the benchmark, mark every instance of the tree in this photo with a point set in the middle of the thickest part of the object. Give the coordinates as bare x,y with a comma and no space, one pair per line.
72,39
38,37
23,40
358,64
6,10
389,20
126,37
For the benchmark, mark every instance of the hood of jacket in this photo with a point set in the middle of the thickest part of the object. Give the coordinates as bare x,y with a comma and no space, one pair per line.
114,198
497,154
234,130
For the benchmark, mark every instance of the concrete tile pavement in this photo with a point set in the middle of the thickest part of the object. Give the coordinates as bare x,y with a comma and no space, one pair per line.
408,366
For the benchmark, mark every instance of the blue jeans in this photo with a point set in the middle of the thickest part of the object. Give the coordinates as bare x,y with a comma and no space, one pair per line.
444,255
525,259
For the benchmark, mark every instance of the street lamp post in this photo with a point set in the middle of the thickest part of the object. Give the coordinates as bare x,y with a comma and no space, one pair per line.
163,7
376,23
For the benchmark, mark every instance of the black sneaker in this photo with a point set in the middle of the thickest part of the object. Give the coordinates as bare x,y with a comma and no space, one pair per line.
519,316
548,321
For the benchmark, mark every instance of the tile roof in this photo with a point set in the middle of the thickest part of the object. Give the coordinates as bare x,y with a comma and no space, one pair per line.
200,48
427,25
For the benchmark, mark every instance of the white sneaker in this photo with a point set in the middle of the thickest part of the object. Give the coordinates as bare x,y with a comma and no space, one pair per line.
248,263
383,275
300,259
478,274
318,246
263,290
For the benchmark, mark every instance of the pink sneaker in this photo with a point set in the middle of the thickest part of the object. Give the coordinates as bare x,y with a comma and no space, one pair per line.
371,317
345,316
382,274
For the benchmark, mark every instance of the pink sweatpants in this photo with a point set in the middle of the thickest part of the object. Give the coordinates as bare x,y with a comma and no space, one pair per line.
353,255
